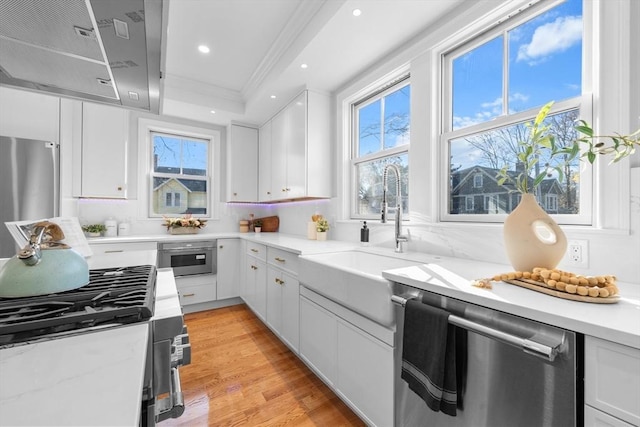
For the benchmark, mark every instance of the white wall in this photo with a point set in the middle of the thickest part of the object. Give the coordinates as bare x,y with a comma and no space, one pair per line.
614,243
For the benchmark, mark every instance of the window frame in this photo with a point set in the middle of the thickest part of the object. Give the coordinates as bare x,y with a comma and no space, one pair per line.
145,162
372,96
446,56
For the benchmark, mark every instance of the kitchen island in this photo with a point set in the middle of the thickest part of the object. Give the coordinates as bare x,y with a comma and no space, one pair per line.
88,379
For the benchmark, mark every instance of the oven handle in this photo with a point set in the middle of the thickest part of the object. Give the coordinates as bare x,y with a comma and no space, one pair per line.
185,249
171,406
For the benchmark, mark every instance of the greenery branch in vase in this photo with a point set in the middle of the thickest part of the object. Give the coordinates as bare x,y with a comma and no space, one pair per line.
532,238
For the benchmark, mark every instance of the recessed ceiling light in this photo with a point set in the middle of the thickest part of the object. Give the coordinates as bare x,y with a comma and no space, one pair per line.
273,97
303,65
212,111
357,12
204,49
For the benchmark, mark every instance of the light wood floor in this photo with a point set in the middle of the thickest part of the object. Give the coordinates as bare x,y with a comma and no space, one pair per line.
242,375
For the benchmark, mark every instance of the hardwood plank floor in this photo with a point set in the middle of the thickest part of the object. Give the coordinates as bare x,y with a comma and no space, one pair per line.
242,375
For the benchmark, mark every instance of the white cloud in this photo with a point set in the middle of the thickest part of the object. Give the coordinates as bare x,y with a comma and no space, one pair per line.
550,38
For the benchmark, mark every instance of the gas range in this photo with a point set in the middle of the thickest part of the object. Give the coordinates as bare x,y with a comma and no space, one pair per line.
113,297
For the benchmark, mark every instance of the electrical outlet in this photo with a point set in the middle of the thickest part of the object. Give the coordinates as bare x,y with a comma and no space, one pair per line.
578,253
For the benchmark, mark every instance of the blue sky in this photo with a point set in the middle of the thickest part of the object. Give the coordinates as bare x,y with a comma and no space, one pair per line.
545,61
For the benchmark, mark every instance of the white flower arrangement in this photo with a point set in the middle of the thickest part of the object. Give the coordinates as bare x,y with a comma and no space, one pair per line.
185,221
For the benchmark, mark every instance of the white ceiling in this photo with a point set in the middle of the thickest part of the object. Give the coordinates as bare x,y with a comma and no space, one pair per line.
257,47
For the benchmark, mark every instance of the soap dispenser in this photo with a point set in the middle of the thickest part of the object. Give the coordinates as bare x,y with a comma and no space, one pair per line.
364,235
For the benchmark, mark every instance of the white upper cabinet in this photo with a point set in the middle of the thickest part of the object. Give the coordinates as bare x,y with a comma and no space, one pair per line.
264,164
242,176
105,141
29,115
299,150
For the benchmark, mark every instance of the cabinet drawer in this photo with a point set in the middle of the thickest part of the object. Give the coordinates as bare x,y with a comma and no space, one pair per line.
107,248
283,259
257,250
196,294
612,379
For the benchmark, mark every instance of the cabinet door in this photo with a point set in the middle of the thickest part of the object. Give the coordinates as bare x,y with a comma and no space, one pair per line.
365,373
297,147
274,299
105,135
242,176
228,268
319,339
248,293
279,137
261,290
264,163
612,378
595,418
290,310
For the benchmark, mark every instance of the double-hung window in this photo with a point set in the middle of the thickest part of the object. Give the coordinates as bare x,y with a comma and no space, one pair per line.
180,175
380,126
496,82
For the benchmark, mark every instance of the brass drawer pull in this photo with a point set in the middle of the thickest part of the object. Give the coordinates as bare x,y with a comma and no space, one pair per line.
254,250
188,295
280,259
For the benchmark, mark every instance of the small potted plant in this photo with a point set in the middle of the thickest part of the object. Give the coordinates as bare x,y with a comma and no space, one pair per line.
322,226
257,225
94,230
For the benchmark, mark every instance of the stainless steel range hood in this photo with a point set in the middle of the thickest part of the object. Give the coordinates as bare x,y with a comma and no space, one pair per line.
105,51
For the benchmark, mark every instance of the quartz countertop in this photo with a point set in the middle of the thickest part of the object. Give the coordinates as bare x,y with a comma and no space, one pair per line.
619,322
288,242
88,379
452,277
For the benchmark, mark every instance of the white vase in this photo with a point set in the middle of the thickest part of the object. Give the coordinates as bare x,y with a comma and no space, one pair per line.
532,238
321,235
311,230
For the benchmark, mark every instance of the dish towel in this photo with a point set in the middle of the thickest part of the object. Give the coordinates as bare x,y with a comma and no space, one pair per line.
428,356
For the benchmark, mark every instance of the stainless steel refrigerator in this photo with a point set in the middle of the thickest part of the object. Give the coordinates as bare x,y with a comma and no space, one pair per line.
29,184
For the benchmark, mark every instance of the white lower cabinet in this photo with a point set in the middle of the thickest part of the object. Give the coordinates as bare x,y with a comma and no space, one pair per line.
283,296
255,280
612,383
365,373
355,364
196,289
319,340
228,262
596,418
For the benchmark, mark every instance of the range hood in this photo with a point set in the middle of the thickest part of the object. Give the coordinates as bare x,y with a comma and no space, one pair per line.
106,51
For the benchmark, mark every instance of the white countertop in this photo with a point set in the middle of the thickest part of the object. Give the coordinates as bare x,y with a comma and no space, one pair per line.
618,322
90,379
452,277
286,242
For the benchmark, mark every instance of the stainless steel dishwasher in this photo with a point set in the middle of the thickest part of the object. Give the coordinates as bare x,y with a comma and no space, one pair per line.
516,372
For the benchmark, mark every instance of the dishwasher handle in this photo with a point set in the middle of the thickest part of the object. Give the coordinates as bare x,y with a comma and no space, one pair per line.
527,345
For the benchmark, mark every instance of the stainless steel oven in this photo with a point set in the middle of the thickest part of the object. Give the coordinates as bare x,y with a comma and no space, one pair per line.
188,257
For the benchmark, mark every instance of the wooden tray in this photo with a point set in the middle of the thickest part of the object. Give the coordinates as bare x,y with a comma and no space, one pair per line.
541,287
270,223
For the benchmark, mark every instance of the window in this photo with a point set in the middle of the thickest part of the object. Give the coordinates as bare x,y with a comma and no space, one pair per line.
180,175
477,181
469,203
380,137
496,83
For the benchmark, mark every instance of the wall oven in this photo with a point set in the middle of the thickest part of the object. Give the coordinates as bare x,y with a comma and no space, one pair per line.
188,258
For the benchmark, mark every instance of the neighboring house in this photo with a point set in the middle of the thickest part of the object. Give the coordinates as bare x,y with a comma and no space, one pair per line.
179,196
476,190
